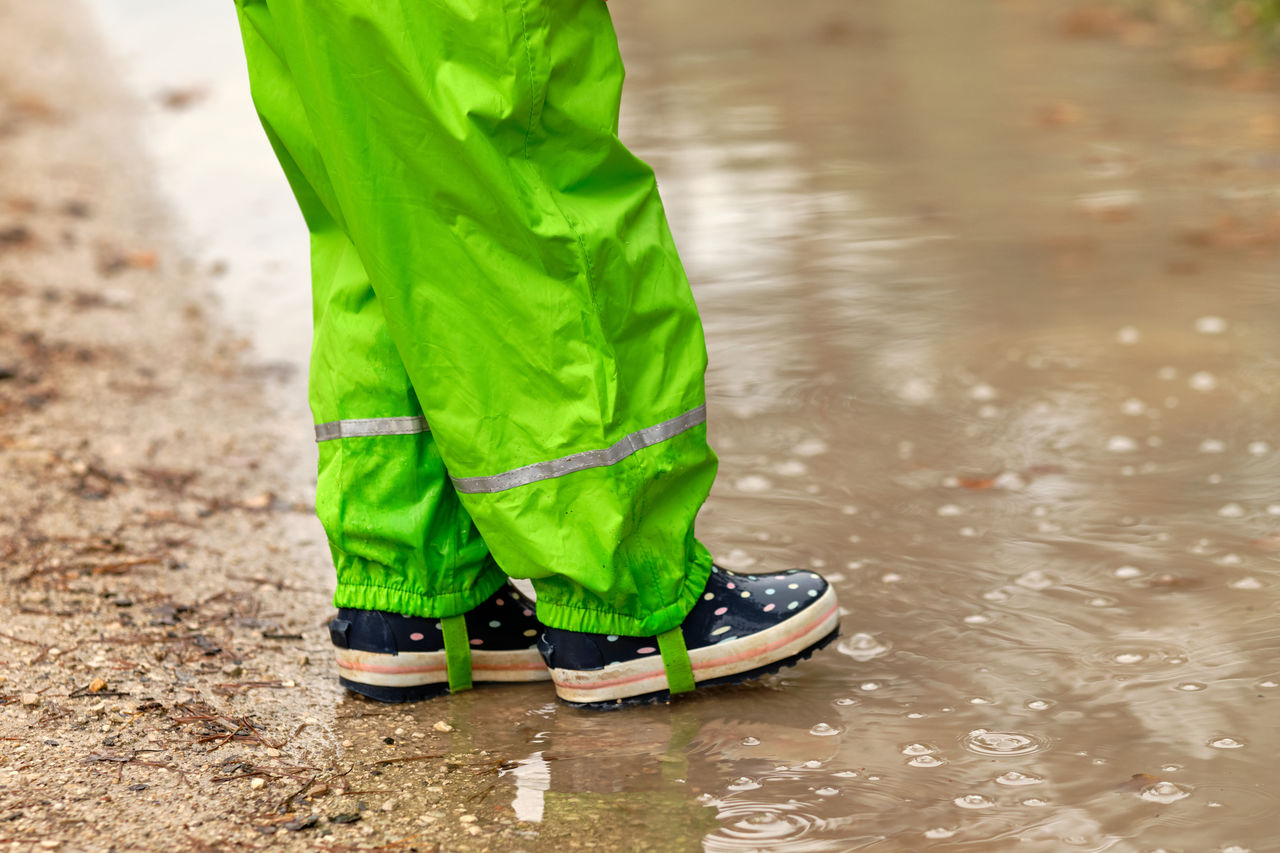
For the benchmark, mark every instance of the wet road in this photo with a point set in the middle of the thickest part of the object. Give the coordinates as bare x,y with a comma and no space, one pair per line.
994,343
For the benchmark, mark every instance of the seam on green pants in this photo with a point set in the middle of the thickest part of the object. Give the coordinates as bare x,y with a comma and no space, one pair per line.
546,187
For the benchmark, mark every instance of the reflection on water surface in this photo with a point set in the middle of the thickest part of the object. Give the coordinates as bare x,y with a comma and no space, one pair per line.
993,327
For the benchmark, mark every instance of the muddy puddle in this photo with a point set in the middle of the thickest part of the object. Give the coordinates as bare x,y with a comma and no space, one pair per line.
992,311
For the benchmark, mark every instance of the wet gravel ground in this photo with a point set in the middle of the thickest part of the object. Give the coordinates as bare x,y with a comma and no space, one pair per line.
991,300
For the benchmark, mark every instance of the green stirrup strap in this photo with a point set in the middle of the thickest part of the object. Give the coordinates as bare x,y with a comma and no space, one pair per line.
457,652
675,657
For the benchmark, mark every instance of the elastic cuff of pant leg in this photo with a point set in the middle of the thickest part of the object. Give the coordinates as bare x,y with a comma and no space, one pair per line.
571,617
393,599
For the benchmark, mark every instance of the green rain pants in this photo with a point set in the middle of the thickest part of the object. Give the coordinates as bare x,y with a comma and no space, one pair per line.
507,368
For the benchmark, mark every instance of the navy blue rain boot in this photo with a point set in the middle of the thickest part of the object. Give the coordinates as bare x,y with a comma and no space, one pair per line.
743,627
394,658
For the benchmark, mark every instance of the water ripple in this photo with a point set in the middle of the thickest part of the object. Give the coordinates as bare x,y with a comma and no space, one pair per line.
986,742
756,826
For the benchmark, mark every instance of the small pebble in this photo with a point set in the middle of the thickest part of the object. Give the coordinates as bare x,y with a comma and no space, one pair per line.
442,726
257,782
274,753
31,699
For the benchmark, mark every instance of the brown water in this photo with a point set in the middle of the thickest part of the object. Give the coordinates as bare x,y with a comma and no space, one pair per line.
973,359
993,329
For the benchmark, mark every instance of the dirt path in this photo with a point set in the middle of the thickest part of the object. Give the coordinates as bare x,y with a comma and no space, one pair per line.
164,682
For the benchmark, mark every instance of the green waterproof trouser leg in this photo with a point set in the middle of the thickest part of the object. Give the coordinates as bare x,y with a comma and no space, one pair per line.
508,365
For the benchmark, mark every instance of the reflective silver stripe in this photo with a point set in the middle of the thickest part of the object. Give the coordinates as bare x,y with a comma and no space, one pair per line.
371,426
581,461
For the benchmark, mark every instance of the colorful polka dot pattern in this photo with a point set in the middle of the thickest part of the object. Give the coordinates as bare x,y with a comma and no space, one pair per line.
504,622
732,606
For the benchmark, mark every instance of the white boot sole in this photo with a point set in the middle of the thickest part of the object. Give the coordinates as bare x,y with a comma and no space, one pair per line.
647,675
415,669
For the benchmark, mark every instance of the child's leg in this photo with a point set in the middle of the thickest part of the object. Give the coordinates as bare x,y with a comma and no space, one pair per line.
521,258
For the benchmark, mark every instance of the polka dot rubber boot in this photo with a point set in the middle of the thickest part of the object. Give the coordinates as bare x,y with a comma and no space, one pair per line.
743,627
394,658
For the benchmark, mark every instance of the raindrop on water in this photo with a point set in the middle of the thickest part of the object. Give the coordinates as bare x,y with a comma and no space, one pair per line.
1127,572
1035,579
1246,583
869,686
791,468
756,826
1121,444
827,792
751,741
973,801
1128,335
810,447
1128,657
824,730
1226,743
1164,792
754,483
1014,779
1191,686
863,647
1040,704
1001,743
1203,381
1133,406
1212,445
950,510
743,783
1035,802
926,761
939,832
916,391
918,749
1211,325
1231,510
1259,448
